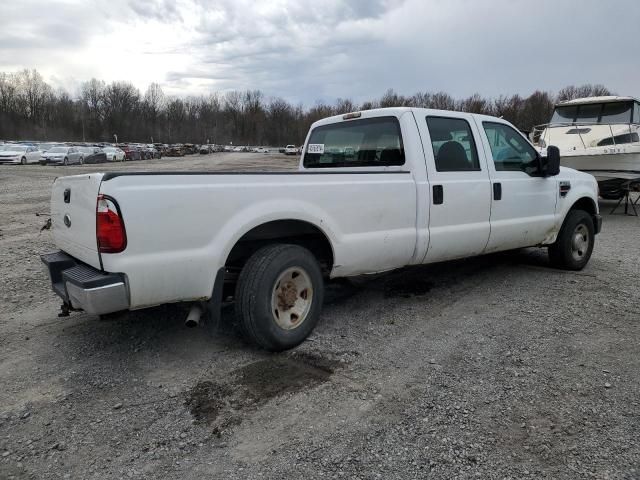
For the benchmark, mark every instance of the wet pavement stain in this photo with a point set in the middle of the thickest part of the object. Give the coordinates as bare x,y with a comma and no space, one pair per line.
407,285
221,403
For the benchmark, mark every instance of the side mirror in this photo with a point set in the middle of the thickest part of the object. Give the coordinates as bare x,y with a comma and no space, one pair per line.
550,165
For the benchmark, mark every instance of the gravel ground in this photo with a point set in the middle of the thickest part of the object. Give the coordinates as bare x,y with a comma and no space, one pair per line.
495,367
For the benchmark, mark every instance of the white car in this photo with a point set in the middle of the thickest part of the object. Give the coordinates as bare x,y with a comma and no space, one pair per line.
290,150
375,191
20,154
62,155
114,154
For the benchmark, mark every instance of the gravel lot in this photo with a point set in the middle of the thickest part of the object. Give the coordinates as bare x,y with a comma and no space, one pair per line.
496,367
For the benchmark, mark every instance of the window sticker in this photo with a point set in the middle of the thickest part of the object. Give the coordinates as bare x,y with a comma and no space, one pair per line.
315,148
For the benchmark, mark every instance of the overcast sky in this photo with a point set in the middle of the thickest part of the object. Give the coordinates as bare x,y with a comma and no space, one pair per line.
308,50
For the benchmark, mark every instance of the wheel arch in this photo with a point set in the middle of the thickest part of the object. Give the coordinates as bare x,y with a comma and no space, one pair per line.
585,203
290,230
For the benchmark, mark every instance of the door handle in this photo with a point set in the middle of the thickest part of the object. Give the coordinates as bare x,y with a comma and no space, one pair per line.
438,195
497,191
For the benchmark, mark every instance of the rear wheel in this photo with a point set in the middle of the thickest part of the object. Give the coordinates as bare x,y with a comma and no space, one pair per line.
574,245
279,296
114,158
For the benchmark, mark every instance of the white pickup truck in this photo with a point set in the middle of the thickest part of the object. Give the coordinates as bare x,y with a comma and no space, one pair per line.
376,190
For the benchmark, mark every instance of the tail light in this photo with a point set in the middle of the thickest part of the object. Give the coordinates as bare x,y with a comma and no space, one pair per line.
110,231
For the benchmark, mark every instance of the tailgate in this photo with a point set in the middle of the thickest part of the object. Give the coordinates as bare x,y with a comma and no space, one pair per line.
73,216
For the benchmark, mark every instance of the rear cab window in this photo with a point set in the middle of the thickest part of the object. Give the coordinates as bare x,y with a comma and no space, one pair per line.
367,142
454,147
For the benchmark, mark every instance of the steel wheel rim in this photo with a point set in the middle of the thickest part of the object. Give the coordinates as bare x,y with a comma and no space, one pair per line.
580,242
291,298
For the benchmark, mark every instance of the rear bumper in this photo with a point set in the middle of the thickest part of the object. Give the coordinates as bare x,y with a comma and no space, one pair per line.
86,288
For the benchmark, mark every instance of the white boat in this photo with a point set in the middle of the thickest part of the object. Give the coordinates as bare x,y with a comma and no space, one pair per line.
597,135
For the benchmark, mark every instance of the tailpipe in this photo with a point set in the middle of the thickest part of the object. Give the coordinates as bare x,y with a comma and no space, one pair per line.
193,319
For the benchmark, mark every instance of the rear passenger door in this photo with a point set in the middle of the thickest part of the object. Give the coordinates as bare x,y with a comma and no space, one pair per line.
459,187
523,203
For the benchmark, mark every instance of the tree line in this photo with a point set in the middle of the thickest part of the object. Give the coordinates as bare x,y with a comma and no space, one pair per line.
30,109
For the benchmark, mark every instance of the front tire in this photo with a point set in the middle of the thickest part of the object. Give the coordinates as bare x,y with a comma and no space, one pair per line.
81,161
65,162
279,296
23,160
574,245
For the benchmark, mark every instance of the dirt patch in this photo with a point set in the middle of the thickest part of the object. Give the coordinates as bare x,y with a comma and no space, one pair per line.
247,388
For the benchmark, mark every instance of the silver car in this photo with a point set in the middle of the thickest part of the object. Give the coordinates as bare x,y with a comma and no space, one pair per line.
63,156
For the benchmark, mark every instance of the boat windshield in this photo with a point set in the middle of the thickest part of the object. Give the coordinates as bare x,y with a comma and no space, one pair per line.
611,112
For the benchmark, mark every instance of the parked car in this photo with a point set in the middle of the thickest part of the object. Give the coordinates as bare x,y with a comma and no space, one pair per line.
206,149
176,150
92,154
62,155
44,147
290,150
114,154
130,152
153,151
456,193
20,154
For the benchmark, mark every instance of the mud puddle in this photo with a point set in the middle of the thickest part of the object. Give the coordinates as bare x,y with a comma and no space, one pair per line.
223,403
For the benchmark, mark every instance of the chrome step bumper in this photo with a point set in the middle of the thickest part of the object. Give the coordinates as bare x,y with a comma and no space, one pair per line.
86,288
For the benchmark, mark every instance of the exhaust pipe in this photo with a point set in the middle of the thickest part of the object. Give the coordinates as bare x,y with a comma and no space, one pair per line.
193,319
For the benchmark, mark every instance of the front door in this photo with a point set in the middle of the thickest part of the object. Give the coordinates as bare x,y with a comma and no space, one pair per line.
523,204
459,187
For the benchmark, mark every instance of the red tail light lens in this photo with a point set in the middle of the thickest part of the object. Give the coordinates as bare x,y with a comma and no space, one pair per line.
110,232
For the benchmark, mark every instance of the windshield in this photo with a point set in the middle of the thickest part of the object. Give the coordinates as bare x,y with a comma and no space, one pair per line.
58,150
611,112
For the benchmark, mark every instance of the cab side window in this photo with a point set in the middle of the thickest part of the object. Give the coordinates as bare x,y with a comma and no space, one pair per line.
509,149
454,148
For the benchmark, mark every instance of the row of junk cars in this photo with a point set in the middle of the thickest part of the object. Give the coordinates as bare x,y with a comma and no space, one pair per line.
49,153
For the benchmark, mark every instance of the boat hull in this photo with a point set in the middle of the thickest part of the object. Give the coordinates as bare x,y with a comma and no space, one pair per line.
605,163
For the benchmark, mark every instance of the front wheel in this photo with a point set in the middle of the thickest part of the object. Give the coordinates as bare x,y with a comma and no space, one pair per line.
81,161
23,160
279,296
574,245
65,161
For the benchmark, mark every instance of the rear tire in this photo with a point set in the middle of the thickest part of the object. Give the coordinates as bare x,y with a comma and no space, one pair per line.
279,296
574,245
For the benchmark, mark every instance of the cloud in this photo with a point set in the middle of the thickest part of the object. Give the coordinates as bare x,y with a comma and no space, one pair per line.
305,50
